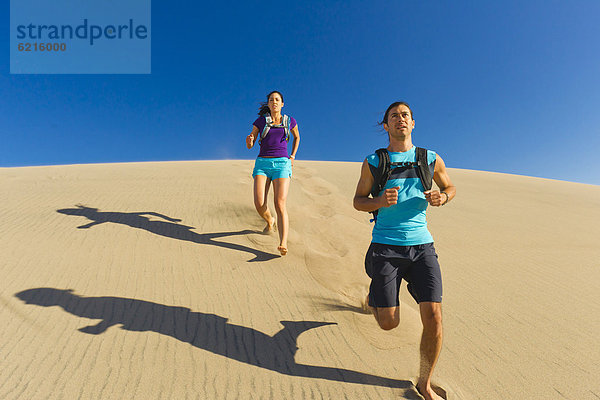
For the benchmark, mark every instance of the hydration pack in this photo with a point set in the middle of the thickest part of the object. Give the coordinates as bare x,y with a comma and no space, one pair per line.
384,171
285,124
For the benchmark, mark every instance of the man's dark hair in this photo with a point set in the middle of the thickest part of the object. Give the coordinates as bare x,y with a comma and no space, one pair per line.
393,105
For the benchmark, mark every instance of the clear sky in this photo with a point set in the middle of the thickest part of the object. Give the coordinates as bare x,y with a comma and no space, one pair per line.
507,86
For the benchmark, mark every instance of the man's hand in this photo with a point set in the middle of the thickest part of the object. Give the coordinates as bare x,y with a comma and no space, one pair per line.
389,197
435,198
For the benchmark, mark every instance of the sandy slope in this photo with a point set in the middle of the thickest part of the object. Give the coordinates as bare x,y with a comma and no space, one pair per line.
152,281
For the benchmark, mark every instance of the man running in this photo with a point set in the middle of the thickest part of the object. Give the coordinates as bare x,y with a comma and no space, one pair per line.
402,247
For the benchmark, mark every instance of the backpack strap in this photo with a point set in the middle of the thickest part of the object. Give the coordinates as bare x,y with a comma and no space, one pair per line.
384,170
382,174
286,126
265,131
285,123
423,168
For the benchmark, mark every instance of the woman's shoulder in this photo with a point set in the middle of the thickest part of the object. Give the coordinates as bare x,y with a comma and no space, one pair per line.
260,122
293,122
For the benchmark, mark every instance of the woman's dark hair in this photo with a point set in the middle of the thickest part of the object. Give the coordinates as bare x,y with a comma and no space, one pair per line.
264,107
394,105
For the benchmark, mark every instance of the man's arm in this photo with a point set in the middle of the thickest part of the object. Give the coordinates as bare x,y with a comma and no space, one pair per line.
440,175
362,201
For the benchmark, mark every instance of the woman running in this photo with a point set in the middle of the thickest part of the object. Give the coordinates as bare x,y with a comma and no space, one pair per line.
272,129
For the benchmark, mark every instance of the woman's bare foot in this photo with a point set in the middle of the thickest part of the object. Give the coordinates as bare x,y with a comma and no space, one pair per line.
282,249
270,228
428,393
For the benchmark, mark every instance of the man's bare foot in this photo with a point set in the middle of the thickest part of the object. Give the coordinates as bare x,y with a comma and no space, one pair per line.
283,250
427,393
270,228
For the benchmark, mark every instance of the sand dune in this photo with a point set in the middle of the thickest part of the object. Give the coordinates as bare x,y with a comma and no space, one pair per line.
153,281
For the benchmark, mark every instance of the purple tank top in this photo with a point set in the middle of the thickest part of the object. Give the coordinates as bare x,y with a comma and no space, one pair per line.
274,144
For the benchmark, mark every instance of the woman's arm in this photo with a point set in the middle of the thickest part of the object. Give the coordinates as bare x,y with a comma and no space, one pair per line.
296,135
251,138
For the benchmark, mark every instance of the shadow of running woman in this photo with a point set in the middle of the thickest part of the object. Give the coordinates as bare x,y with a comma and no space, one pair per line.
169,229
209,332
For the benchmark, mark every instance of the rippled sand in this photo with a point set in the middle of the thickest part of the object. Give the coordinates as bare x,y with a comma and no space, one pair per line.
154,281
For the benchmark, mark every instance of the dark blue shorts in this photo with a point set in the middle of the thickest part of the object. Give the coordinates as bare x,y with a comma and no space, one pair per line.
418,265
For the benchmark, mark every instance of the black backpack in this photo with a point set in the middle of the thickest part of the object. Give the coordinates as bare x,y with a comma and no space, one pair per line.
385,168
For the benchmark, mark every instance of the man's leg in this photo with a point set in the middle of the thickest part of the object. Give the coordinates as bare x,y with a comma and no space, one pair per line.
431,346
381,266
387,317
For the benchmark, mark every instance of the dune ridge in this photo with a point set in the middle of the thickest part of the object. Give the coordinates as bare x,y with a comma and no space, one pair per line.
153,280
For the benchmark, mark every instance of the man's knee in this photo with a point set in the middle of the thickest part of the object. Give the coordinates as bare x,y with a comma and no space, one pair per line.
387,318
387,324
431,316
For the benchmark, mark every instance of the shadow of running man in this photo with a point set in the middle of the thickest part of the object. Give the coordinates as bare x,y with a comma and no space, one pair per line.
169,229
209,332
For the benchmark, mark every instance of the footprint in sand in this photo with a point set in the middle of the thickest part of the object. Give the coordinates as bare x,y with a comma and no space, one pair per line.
316,186
304,173
263,240
316,190
324,210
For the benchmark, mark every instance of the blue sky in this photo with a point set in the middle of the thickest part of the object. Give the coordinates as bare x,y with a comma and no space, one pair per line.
509,86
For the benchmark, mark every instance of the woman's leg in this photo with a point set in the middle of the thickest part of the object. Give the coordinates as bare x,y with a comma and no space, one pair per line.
261,191
280,188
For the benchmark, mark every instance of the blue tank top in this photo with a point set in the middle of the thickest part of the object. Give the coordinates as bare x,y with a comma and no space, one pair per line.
405,223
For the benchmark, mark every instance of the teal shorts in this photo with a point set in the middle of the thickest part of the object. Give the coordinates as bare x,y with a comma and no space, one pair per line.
273,168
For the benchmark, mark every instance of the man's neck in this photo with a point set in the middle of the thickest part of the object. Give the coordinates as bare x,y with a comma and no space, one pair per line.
400,146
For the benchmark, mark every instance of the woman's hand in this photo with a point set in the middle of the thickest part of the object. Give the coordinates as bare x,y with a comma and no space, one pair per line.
249,141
